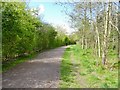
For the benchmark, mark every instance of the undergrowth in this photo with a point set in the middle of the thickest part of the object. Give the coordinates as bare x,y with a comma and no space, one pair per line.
7,65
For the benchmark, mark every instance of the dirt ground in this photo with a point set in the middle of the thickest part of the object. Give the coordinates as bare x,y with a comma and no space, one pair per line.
41,72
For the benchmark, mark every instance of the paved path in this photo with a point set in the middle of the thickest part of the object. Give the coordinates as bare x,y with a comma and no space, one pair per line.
41,72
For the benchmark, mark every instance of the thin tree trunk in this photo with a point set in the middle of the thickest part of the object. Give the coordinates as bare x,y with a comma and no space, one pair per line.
96,47
97,35
118,29
118,46
118,25
82,42
104,54
86,46
92,24
98,42
85,11
83,38
110,19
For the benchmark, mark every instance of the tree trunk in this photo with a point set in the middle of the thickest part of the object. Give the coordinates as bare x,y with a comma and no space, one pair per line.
105,42
118,46
118,25
85,17
86,45
118,29
82,42
98,41
97,35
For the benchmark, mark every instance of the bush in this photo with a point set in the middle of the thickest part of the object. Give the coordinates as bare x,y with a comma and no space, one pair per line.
24,33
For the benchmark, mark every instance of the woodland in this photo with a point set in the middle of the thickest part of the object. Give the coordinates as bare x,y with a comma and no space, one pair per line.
95,45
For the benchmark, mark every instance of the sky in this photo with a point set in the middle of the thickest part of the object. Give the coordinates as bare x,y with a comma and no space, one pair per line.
53,14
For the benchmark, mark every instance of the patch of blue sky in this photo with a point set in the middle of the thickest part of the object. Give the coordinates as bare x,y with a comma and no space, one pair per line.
53,13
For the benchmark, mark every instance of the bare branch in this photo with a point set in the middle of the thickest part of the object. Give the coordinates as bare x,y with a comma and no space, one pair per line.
115,27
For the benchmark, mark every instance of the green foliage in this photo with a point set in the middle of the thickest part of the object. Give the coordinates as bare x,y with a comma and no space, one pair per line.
23,33
17,30
89,69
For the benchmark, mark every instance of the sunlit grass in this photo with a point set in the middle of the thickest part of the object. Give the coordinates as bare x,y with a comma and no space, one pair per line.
67,74
91,69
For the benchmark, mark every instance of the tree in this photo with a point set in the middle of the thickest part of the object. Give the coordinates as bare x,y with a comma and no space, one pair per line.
97,26
24,33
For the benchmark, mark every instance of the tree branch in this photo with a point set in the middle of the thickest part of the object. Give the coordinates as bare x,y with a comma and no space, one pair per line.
115,27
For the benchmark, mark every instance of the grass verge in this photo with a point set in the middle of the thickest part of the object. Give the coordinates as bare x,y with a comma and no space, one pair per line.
11,64
87,71
67,79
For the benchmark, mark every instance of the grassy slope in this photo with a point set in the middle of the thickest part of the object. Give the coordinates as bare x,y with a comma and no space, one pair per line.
79,69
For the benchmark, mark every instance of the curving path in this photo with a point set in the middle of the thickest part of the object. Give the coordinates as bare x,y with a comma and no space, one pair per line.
41,72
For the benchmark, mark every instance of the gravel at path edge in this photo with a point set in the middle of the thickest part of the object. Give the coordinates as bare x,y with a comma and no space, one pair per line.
41,72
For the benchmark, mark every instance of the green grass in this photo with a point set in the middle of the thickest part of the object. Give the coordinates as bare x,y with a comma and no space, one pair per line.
67,74
89,68
66,70
11,64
